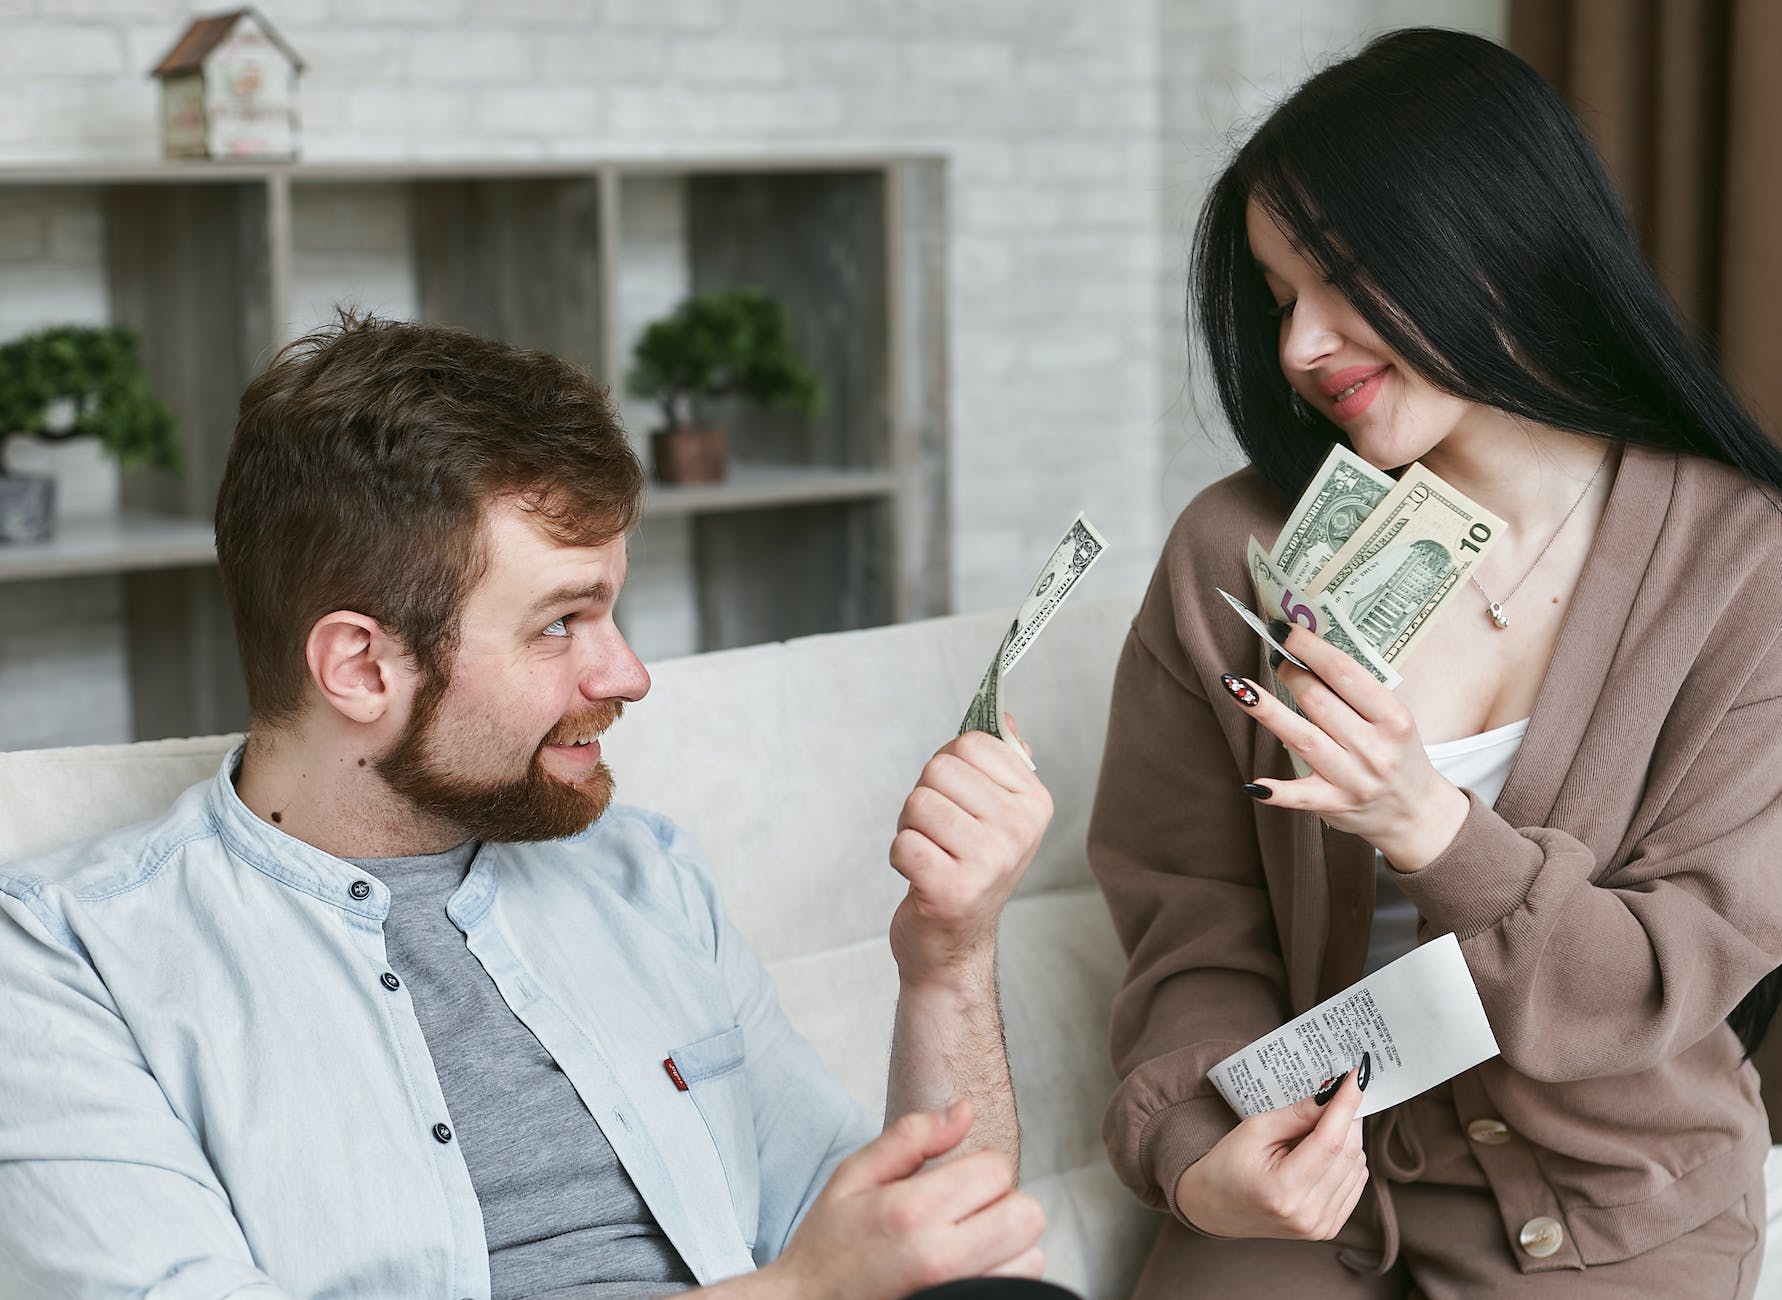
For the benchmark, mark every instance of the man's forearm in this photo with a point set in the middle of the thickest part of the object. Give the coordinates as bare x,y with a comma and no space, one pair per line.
948,1042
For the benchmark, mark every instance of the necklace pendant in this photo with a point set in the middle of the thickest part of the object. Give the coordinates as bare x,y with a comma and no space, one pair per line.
1498,616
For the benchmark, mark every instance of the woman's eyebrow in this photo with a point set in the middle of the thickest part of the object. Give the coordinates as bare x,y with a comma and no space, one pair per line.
1263,268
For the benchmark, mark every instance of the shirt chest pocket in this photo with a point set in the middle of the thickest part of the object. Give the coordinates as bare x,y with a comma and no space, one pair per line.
712,1069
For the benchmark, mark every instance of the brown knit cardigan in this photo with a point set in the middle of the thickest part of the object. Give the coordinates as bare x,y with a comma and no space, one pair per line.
1613,907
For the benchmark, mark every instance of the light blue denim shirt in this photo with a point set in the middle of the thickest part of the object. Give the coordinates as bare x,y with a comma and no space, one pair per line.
207,1090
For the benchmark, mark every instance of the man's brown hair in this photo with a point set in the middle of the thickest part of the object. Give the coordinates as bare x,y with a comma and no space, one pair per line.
363,458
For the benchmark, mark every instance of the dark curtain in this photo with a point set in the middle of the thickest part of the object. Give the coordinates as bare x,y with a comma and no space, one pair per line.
1683,99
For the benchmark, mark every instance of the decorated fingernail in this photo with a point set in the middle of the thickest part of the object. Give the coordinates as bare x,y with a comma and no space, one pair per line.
1364,1075
1328,1088
1240,690
1256,791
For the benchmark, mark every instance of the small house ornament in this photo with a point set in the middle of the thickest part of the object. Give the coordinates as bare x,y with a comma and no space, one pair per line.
229,90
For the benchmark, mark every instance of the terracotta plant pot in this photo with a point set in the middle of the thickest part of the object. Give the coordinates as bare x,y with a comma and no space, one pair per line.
690,453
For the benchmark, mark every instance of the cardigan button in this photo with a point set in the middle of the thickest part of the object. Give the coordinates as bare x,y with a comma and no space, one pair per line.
1542,1236
1488,1132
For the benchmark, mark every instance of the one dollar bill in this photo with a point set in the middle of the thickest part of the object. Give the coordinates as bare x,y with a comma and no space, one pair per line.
1343,493
1076,553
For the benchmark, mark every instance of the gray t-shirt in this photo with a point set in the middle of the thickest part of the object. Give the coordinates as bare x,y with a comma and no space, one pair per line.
562,1217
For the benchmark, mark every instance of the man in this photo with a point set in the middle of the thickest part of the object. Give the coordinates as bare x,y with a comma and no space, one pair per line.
398,1005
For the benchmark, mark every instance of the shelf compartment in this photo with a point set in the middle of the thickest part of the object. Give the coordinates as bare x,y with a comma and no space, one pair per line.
761,487
122,543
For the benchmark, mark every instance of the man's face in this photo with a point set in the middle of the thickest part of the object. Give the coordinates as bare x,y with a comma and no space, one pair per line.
507,749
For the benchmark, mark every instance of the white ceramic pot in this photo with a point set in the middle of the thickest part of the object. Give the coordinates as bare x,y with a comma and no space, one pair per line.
87,480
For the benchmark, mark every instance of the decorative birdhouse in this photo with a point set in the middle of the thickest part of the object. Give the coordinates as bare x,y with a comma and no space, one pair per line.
229,90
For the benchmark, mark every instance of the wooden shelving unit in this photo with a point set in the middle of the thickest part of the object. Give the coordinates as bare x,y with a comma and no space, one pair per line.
822,525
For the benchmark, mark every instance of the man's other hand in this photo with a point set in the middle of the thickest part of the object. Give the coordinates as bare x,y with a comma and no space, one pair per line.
968,831
884,1226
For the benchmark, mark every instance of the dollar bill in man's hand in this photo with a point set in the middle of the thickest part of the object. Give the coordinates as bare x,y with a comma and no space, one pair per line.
1076,552
985,712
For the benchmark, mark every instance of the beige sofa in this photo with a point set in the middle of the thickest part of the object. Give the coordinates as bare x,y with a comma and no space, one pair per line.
790,762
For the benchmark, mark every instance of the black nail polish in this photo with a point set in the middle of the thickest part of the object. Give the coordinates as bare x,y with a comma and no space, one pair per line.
1329,1088
1240,690
1279,630
1365,1074
1256,791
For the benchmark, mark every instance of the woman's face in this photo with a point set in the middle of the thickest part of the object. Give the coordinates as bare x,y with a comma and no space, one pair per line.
1334,360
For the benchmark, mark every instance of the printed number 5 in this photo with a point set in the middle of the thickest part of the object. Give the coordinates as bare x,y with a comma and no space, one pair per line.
1293,613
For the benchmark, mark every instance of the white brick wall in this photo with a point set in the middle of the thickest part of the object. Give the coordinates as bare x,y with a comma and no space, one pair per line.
1080,137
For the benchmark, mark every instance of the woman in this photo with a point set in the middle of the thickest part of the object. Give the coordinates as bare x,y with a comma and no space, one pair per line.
1418,255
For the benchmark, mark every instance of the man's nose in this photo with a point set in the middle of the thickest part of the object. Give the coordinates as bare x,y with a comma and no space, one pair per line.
615,672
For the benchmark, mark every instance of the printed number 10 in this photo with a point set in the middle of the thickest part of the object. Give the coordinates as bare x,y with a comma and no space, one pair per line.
1476,536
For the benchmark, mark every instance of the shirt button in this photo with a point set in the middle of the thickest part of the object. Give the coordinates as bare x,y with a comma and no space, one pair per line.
1542,1236
1488,1132
443,1133
359,890
390,981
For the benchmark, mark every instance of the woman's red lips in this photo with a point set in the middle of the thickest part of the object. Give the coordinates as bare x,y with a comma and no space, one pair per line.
1347,378
1352,390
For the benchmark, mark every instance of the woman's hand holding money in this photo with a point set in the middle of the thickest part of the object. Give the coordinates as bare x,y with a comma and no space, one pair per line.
1370,774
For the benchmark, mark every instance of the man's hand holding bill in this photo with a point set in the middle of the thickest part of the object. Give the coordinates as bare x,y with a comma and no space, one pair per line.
934,1198
965,837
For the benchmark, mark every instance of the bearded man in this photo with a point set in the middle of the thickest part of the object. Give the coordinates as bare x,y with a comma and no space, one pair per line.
400,1004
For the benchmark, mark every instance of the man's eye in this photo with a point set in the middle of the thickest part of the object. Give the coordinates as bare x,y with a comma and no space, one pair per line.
558,628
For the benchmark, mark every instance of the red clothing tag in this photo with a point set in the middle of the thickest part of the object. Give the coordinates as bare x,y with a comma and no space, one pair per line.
680,1084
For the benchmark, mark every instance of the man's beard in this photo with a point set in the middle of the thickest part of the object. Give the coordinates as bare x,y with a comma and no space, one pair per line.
531,807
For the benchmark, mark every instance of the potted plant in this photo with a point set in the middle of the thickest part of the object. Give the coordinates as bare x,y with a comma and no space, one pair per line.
735,343
63,384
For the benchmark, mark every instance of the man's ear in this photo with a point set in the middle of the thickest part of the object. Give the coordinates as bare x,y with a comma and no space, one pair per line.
361,670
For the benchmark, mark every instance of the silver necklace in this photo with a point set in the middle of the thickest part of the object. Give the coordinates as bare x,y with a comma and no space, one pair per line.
1495,608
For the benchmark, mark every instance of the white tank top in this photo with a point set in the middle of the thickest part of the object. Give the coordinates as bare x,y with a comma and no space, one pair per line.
1478,763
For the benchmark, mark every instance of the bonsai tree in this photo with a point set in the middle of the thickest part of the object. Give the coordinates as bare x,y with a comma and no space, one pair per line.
735,343
92,375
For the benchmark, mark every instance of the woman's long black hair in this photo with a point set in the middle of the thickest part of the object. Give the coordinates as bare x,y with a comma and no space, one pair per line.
1451,196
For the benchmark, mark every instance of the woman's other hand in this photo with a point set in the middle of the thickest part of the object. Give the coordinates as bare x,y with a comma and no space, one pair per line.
1296,1172
1370,774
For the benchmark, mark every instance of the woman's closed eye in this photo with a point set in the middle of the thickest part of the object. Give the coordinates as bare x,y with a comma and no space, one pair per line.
1281,310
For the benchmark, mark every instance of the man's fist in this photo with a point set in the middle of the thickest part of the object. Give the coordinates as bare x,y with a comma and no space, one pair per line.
967,832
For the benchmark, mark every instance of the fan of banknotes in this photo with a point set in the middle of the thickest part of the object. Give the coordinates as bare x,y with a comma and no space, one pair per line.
1367,562
1078,550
